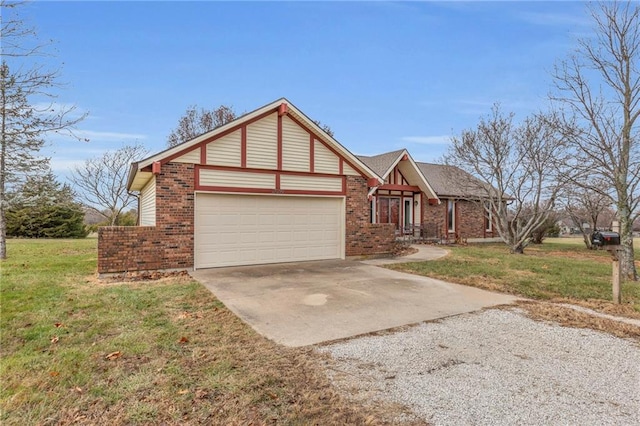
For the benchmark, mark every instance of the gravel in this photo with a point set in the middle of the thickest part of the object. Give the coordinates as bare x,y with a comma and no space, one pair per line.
495,367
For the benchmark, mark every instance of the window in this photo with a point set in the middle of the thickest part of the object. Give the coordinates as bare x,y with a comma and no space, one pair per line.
488,217
389,210
451,215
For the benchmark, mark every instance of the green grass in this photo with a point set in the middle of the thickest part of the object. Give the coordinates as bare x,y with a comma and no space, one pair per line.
553,270
183,357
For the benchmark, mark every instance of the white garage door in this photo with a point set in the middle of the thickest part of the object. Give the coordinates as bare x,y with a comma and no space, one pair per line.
252,229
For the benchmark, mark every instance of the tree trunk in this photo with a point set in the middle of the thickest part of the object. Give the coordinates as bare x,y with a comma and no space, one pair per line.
3,234
517,249
627,261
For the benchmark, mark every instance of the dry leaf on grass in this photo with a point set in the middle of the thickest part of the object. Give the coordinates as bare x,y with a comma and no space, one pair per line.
54,373
183,340
55,339
183,392
113,355
57,324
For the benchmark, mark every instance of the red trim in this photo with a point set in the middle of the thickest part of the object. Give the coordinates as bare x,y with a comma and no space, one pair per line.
278,181
267,171
341,166
344,185
405,157
279,148
330,148
283,109
196,177
312,153
266,191
305,128
393,187
218,136
371,182
243,146
203,154
155,168
432,201
402,178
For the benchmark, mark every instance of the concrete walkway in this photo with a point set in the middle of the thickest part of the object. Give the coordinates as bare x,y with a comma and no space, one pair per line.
425,252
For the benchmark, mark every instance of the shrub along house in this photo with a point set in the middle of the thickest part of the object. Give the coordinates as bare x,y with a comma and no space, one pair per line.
270,187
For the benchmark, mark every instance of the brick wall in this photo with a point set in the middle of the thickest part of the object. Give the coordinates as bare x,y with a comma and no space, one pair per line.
363,237
167,245
469,219
433,218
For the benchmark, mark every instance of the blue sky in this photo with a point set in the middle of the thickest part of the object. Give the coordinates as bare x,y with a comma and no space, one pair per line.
383,75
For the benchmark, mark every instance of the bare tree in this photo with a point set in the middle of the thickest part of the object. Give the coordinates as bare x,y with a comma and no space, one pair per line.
196,122
101,183
511,172
324,127
586,206
24,123
598,88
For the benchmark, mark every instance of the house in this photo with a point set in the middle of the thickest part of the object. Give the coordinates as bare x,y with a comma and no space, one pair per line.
270,187
428,198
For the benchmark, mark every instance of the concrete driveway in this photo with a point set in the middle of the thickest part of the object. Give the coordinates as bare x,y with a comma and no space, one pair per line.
299,304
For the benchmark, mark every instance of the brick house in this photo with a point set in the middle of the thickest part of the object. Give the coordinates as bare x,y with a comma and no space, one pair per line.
269,187
426,198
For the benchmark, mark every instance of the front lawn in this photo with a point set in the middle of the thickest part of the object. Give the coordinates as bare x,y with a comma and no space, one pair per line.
76,350
552,271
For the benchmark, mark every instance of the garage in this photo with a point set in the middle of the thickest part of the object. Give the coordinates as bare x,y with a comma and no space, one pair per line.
232,229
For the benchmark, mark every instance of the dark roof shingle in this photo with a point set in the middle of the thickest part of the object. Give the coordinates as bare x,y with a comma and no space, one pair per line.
451,181
380,163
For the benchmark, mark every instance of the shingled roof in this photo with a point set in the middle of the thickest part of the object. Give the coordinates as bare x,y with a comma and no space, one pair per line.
445,180
451,181
380,164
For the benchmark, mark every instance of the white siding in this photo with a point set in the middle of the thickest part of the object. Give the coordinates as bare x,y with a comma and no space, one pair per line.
192,156
225,151
325,161
262,143
295,146
310,183
148,204
233,179
251,229
349,171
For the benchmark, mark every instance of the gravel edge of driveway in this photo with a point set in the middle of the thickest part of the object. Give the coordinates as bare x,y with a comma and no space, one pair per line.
494,367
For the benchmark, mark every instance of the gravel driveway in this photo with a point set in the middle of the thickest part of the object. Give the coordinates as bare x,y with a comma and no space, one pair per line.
496,367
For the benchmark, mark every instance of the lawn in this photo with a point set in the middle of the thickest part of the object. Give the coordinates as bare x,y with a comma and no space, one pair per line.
75,349
558,270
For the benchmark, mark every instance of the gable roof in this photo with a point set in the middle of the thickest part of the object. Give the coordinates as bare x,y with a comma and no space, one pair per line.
451,181
383,164
137,175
